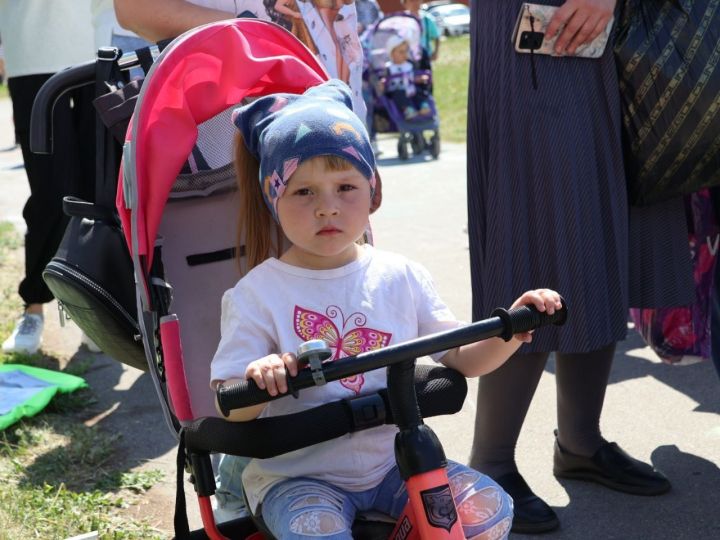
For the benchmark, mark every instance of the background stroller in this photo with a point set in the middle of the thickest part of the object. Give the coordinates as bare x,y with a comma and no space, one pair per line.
419,134
180,239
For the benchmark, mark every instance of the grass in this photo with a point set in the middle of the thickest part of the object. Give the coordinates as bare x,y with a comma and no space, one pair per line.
58,476
450,78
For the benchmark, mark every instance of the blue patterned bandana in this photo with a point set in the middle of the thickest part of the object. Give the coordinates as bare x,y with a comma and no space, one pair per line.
283,130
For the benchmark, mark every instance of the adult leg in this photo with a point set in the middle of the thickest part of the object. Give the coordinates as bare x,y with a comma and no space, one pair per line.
580,451
303,508
504,397
503,400
43,214
581,380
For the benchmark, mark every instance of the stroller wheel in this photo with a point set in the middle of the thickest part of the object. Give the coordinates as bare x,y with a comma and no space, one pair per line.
435,145
417,143
402,148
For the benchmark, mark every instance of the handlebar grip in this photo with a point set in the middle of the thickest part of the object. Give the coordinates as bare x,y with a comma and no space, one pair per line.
525,318
241,394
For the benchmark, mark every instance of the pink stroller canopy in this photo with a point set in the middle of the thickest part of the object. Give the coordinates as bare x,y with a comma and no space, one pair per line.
202,73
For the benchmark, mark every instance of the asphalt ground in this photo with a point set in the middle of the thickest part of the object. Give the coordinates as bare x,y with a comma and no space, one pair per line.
668,415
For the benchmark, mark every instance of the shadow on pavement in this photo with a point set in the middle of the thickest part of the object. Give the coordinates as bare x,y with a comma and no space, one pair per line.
697,381
595,512
127,403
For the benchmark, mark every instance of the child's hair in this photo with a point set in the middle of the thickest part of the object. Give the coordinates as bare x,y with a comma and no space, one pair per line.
255,222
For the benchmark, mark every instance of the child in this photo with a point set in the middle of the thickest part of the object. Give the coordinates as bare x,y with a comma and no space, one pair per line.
399,80
316,172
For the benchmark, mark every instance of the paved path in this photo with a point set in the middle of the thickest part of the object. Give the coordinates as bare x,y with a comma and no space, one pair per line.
668,415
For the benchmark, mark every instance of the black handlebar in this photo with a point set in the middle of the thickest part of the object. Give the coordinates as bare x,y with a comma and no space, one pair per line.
41,118
502,323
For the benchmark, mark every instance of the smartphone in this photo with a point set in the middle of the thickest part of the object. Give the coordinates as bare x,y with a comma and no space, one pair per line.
529,33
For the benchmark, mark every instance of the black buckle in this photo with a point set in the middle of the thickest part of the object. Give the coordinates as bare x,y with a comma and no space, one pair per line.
367,411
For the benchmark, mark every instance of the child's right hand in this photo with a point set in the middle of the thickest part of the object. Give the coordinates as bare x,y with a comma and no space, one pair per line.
270,372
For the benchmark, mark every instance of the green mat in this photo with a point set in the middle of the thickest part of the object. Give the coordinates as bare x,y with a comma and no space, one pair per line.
26,390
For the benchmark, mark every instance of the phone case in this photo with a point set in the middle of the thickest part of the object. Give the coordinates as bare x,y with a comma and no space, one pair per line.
530,35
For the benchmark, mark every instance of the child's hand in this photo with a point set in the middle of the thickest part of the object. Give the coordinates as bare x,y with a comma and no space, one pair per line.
545,300
270,372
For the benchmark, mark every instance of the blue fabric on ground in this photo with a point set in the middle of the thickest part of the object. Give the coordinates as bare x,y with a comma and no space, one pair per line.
26,390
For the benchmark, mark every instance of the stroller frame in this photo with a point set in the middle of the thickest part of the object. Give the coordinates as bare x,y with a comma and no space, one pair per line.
411,133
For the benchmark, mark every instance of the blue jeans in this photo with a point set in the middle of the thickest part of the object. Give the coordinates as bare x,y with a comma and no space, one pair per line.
304,508
229,492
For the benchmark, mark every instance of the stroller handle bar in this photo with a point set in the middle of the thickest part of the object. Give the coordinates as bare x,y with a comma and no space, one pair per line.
502,323
41,118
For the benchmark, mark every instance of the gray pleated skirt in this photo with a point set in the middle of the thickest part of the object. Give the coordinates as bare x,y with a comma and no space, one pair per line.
547,204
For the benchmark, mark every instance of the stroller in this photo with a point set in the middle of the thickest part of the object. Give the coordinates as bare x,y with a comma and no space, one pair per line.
386,116
180,238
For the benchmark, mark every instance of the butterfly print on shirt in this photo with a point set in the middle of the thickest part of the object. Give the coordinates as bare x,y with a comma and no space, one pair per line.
313,325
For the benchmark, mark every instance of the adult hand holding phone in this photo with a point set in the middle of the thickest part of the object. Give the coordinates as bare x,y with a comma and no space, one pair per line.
579,22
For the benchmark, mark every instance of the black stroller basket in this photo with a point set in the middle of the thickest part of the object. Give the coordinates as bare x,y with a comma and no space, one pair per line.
91,274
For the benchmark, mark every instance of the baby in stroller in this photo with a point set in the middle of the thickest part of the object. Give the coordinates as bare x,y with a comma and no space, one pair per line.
400,83
400,80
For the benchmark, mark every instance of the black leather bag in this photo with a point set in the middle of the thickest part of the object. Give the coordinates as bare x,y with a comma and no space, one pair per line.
91,274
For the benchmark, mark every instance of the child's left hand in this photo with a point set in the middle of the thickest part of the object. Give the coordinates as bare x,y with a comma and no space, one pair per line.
545,300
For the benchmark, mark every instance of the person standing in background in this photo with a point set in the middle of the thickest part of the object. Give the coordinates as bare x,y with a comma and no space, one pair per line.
108,30
430,37
164,19
67,39
368,13
547,204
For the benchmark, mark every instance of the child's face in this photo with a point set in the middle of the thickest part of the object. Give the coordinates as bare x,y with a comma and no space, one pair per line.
400,53
323,213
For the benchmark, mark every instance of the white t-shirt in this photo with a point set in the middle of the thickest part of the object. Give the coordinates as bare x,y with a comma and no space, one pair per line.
378,300
45,36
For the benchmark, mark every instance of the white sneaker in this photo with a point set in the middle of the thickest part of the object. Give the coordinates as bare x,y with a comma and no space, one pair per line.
89,343
27,335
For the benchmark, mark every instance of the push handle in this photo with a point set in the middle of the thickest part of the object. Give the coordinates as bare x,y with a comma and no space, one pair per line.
502,323
525,318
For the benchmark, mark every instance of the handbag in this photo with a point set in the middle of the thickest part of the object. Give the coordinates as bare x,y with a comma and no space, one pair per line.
668,61
681,335
91,274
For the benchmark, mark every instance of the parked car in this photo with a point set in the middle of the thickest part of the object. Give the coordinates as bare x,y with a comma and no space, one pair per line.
452,19
435,3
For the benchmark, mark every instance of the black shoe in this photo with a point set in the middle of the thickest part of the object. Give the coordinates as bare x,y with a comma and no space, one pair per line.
532,515
610,466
